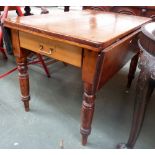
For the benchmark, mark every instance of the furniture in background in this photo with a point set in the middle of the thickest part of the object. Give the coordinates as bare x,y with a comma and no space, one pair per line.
2,49
27,10
100,48
4,35
145,11
146,81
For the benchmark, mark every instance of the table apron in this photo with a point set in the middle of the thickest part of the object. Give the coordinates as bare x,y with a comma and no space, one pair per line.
55,49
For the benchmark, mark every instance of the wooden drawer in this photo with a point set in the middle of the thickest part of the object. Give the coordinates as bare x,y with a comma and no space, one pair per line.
58,50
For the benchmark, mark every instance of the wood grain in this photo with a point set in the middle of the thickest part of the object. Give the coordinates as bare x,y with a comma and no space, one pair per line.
99,42
86,28
60,51
115,57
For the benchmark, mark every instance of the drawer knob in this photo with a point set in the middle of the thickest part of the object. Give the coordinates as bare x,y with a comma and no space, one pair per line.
41,50
41,47
51,50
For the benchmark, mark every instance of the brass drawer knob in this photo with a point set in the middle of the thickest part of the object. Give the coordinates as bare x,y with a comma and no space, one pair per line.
41,50
41,47
51,50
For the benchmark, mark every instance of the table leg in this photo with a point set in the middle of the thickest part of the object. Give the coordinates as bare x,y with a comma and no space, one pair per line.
87,111
143,93
24,81
132,70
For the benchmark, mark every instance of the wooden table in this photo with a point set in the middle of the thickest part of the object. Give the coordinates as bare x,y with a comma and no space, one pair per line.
99,43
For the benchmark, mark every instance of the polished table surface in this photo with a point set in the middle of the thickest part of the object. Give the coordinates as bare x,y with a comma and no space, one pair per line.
100,43
85,27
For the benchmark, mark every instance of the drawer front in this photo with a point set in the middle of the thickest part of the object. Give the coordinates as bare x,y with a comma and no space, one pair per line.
58,50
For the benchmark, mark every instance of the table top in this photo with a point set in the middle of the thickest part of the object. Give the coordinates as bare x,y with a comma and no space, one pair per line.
93,28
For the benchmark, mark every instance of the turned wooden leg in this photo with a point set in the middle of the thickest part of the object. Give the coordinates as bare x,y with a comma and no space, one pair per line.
132,70
87,112
143,92
24,81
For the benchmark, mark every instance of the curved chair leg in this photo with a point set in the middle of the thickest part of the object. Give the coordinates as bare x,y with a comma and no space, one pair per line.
143,93
132,70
